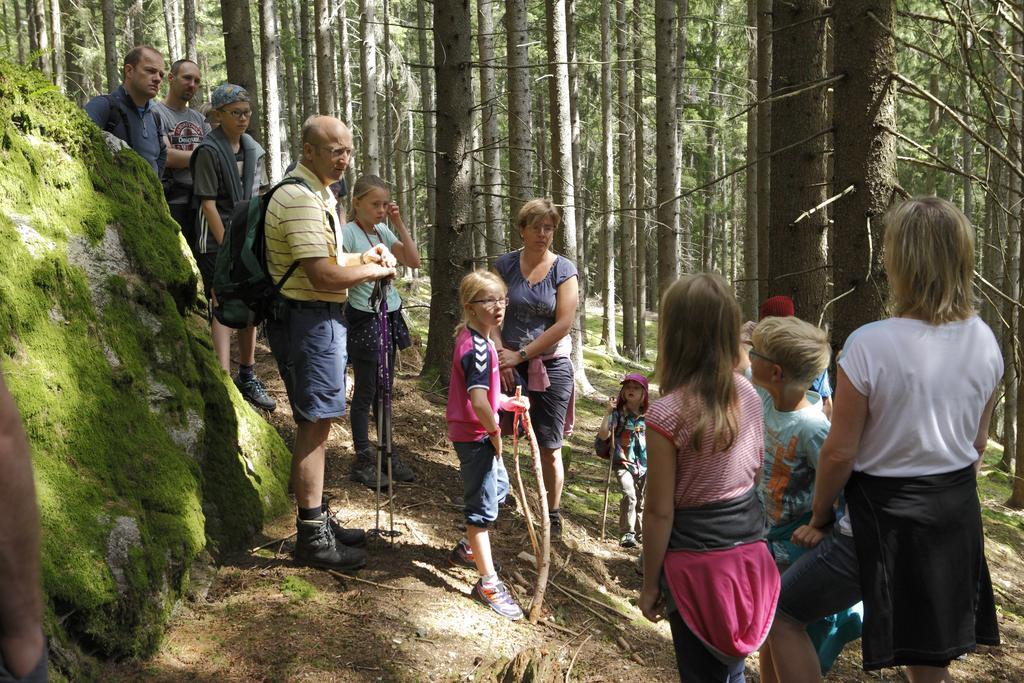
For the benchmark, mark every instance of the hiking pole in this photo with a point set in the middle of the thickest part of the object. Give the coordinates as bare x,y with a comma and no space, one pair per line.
544,559
519,484
607,486
379,301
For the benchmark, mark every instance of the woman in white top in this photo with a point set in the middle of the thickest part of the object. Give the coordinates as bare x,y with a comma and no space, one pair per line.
913,402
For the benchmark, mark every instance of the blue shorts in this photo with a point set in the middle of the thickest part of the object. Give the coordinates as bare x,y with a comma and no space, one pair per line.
484,481
309,347
823,581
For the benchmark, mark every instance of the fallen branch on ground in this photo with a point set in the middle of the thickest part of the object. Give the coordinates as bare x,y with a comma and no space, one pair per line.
346,577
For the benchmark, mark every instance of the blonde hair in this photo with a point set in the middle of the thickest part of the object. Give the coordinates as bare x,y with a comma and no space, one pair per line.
474,282
800,348
536,210
698,347
929,259
366,183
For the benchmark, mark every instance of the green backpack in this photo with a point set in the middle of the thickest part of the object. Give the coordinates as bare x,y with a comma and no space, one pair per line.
244,289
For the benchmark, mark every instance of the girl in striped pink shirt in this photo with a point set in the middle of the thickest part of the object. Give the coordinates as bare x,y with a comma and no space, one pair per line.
706,565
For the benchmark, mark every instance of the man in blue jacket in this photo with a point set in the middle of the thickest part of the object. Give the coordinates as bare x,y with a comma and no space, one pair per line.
126,113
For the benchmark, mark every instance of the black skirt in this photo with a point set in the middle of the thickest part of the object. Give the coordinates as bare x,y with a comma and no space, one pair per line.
926,587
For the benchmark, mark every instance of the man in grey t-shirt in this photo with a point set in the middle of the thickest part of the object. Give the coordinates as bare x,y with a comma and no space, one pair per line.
185,128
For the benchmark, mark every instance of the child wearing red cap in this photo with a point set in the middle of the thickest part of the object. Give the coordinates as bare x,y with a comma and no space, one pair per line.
621,437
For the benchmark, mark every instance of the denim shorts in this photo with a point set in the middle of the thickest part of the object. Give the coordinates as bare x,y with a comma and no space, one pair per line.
484,481
822,581
548,408
309,347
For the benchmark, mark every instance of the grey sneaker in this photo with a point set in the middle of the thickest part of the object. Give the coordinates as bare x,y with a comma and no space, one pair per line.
401,472
628,540
498,598
254,392
364,471
316,546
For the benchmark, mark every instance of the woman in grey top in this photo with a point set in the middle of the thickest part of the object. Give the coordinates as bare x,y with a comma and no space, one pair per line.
543,292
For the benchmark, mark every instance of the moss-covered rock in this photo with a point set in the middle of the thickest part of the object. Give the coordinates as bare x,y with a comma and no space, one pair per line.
144,453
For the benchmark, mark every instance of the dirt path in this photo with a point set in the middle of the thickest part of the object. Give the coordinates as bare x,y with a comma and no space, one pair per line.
408,616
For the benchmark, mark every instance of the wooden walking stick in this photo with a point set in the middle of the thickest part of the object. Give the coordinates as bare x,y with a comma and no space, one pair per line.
544,558
521,488
607,486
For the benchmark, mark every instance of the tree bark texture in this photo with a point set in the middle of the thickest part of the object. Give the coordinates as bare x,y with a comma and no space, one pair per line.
666,149
370,141
345,78
270,43
714,103
865,157
608,215
427,107
750,244
327,79
59,66
191,30
241,57
110,59
451,244
797,258
627,201
565,236
764,143
637,255
684,248
171,28
491,185
520,113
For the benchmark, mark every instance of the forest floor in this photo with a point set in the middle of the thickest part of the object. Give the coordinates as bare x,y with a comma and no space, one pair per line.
408,616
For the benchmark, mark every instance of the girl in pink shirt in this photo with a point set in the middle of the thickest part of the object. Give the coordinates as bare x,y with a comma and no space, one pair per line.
706,565
474,397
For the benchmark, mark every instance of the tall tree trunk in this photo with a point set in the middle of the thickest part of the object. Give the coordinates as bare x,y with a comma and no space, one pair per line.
684,235
710,154
637,253
491,168
520,113
20,31
448,263
561,117
110,60
74,51
42,37
326,78
608,335
307,67
865,157
667,152
1011,285
627,203
58,46
577,180
797,260
171,27
750,243
764,143
543,161
427,107
388,154
137,14
368,78
289,55
241,57
191,30
270,43
345,71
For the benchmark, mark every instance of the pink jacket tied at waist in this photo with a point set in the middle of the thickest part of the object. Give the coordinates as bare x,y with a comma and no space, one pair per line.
537,378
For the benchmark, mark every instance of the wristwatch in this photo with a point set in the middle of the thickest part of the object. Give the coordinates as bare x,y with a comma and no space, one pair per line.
522,353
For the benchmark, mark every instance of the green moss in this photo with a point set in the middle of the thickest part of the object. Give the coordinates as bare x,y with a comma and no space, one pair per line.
297,588
130,419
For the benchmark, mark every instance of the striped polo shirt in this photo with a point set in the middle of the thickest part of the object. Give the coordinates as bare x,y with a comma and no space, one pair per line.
710,476
298,226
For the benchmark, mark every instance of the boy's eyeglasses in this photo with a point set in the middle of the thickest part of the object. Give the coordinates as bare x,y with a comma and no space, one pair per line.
239,114
491,303
754,352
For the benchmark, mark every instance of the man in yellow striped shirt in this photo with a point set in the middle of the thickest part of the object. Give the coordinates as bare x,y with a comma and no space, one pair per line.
307,333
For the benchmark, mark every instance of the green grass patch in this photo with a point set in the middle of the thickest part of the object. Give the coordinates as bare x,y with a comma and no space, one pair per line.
298,589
